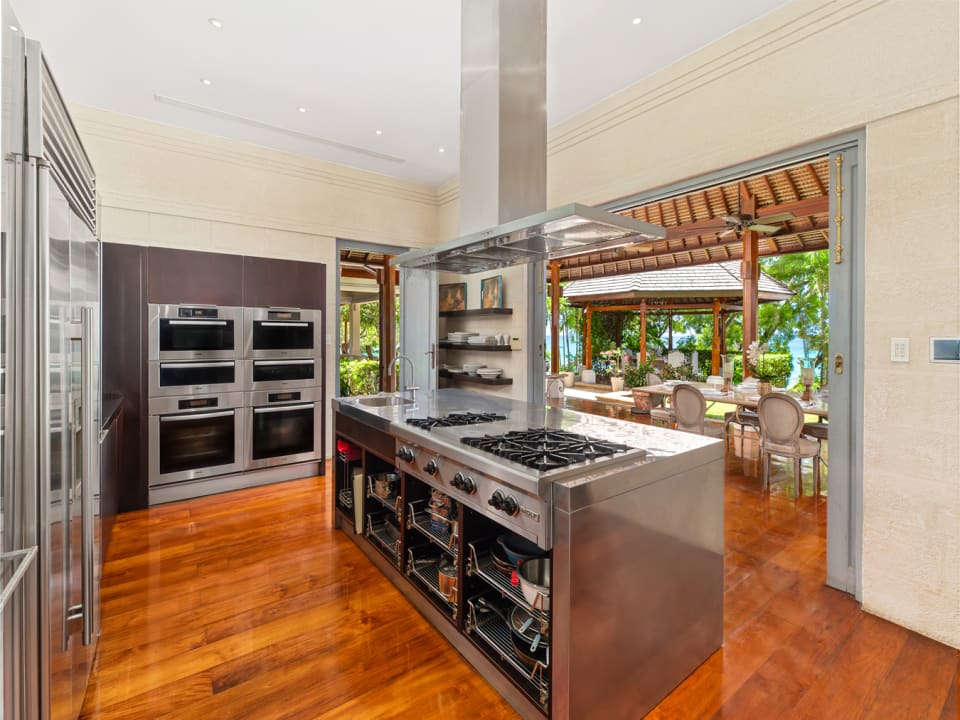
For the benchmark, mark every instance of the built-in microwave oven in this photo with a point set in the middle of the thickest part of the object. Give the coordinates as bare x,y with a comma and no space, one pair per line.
199,377
195,437
194,332
266,374
281,332
284,427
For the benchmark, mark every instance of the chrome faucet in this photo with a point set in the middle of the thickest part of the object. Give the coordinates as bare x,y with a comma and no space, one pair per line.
412,389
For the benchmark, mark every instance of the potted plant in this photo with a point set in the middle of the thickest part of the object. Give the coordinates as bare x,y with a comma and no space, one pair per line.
568,374
758,368
611,361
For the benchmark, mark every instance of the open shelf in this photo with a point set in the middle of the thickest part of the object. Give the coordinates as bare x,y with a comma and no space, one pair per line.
447,345
392,504
377,531
420,519
476,312
425,568
480,564
475,379
495,637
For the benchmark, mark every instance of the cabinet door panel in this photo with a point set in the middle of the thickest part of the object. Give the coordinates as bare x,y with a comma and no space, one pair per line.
283,283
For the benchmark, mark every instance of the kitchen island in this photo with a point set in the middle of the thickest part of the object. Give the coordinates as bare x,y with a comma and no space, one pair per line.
630,517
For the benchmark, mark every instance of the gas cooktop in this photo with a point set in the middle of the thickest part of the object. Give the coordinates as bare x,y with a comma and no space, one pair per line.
545,449
454,420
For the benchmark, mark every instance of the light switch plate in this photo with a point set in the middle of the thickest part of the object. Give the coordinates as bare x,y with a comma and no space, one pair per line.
900,350
515,343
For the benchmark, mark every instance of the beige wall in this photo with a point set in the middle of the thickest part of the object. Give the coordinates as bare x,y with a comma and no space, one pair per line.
818,69
810,70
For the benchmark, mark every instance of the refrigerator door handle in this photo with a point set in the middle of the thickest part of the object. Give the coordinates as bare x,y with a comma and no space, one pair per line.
89,439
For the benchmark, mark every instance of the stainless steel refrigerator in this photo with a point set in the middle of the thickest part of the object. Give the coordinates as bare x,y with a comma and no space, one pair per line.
51,394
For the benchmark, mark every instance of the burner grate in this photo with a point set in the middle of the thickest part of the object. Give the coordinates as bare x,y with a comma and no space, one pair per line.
454,420
544,449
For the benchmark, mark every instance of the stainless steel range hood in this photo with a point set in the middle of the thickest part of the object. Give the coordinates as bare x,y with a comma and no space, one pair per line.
568,230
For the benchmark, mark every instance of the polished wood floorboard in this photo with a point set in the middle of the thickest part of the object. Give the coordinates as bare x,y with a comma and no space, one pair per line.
248,605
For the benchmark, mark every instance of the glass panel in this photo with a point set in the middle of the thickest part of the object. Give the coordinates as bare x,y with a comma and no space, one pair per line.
184,374
269,372
197,442
273,335
175,335
282,433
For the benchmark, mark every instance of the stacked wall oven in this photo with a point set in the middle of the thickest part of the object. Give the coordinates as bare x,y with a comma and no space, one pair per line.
284,401
232,391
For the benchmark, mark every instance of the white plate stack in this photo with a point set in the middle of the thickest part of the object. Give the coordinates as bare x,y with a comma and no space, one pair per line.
459,337
490,373
482,340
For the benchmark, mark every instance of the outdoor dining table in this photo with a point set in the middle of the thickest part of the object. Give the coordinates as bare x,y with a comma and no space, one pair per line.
818,406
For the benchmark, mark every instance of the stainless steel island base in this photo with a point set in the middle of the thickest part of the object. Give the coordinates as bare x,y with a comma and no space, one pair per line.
637,591
635,539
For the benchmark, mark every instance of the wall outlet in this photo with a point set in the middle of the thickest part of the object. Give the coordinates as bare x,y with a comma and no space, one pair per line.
900,350
515,343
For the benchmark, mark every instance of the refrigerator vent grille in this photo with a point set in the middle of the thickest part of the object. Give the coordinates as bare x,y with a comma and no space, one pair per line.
69,165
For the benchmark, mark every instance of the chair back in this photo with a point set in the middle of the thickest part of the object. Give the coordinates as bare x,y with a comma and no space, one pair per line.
781,420
690,407
653,379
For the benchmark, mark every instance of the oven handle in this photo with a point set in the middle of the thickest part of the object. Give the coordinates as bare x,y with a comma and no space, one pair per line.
283,362
183,365
276,323
194,416
197,322
282,408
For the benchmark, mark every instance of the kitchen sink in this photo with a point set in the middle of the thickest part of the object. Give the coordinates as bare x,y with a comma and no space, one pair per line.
384,401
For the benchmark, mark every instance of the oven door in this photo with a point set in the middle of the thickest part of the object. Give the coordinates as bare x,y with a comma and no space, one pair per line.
281,332
193,444
182,332
195,378
283,433
281,374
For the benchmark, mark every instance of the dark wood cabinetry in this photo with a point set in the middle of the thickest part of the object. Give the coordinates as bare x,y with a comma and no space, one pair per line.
136,276
187,276
282,283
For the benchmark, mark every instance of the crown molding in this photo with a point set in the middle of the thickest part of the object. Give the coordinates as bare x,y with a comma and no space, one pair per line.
107,125
215,213
784,27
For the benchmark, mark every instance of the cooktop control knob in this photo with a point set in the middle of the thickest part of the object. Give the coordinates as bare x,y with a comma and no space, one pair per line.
510,505
496,500
432,467
461,482
405,453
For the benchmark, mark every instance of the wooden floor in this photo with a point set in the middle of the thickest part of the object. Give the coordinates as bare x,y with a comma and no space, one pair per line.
248,605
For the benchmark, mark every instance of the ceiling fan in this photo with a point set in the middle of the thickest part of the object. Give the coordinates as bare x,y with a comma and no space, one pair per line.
771,224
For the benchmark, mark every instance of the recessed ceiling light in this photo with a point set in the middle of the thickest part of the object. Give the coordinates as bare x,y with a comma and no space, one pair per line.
301,109
215,22
206,81
443,149
15,28
637,21
379,132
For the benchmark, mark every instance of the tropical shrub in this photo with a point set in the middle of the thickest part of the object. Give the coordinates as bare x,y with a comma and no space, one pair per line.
359,377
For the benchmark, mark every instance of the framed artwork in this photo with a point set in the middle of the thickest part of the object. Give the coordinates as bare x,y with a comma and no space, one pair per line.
453,296
491,292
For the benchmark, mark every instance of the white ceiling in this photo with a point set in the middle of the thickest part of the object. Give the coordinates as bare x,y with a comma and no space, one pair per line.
357,66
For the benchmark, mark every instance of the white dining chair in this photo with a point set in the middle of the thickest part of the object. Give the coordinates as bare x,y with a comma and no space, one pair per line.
781,425
660,414
690,409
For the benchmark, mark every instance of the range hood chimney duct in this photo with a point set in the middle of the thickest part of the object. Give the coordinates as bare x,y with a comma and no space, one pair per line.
503,154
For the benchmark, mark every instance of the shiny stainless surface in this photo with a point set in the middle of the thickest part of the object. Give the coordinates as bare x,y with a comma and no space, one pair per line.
385,401
224,314
167,410
270,403
155,389
412,389
252,384
262,315
567,230
651,558
89,481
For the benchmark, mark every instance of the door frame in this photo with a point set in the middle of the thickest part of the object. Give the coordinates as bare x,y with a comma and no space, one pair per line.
845,499
344,244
